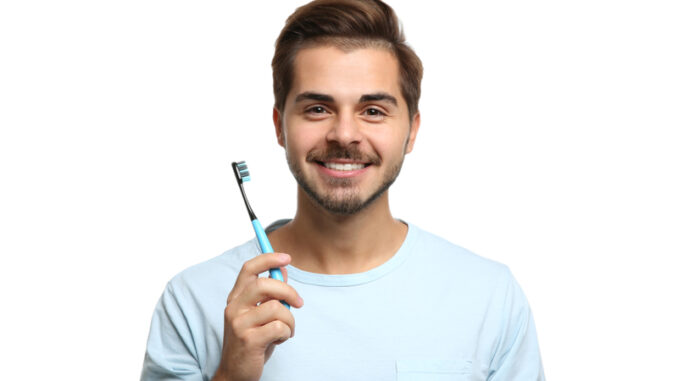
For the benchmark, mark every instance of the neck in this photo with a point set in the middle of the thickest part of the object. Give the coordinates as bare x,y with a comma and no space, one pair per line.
322,242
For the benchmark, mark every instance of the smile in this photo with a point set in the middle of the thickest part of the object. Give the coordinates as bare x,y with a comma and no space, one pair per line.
344,166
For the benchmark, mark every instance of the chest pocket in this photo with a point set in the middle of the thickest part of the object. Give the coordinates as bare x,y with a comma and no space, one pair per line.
434,370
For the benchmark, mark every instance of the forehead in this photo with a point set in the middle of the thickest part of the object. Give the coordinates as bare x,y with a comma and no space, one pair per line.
345,74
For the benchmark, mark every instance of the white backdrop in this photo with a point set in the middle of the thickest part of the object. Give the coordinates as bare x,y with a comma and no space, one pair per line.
547,143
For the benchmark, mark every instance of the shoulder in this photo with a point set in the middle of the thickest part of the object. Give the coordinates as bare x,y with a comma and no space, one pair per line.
217,274
441,258
189,315
442,251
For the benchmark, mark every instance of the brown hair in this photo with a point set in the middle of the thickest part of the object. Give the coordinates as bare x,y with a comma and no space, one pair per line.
346,24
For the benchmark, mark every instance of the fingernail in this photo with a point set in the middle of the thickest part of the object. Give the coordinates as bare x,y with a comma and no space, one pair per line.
300,301
284,257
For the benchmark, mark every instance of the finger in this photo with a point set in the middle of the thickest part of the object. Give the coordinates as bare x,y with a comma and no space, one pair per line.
263,289
283,270
251,269
264,314
274,331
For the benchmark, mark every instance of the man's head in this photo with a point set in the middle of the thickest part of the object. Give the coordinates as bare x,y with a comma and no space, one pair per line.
348,25
346,89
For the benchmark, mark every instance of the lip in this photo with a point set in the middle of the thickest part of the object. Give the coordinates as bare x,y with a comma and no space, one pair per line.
341,174
346,161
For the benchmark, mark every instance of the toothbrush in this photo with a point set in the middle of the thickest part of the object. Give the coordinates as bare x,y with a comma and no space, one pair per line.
242,174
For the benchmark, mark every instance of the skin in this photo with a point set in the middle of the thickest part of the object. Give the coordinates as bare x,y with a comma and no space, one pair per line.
323,241
254,319
340,102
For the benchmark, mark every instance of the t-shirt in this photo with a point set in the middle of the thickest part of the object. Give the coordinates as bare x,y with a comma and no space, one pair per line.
433,311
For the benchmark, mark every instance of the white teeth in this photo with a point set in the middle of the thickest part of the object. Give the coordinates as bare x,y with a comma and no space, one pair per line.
344,167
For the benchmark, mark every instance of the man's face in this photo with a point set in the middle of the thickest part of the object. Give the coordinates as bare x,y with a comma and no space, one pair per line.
345,126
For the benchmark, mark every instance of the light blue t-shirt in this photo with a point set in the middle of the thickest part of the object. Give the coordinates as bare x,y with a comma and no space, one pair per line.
434,311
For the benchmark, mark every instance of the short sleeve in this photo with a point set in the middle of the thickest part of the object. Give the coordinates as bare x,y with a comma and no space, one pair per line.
170,351
517,356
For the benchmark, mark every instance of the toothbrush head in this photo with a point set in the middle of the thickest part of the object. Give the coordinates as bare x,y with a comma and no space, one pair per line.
241,172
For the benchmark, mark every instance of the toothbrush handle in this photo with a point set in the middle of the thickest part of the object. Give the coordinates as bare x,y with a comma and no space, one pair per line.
267,248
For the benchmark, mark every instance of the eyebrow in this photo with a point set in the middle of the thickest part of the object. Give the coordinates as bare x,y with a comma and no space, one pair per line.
379,97
314,97
309,95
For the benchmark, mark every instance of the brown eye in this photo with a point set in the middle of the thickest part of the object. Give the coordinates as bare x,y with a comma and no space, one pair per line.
316,110
374,113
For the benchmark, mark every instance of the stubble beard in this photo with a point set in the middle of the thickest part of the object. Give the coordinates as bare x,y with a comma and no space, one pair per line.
343,197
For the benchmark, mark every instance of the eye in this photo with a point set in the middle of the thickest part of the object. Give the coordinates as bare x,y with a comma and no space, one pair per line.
316,110
374,113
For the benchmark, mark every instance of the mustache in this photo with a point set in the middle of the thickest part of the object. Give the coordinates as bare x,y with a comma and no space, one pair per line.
337,152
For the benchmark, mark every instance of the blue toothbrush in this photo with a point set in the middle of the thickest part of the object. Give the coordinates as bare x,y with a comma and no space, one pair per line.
242,174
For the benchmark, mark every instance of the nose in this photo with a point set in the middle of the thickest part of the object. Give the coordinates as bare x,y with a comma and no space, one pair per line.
345,130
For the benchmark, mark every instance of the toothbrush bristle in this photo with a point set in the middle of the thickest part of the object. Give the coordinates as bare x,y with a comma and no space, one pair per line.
243,171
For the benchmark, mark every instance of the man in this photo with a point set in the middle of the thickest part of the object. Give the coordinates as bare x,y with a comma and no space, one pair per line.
382,299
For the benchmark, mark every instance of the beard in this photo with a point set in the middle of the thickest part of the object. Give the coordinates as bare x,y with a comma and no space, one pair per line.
343,198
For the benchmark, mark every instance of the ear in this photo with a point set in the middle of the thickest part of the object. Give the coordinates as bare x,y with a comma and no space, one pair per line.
414,128
277,121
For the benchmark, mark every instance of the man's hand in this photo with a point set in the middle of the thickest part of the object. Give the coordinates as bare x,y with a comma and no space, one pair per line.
254,320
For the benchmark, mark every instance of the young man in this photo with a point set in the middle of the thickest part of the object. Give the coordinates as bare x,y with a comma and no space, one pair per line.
382,299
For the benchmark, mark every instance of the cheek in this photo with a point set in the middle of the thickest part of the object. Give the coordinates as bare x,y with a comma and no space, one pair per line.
387,142
299,143
303,138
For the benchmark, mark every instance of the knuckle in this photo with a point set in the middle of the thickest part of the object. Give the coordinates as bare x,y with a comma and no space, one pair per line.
236,325
230,298
267,306
246,267
275,308
279,327
229,312
274,305
261,282
278,309
246,337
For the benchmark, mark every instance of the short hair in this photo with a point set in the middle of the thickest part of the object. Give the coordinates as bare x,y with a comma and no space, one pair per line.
348,25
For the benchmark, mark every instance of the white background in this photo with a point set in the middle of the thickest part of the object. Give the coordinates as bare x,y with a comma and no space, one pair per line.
547,143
